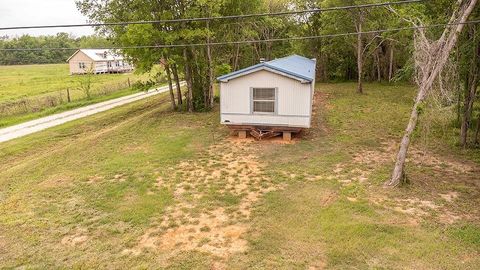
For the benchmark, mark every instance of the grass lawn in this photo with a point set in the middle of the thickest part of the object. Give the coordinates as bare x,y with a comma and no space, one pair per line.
10,120
143,187
31,82
36,80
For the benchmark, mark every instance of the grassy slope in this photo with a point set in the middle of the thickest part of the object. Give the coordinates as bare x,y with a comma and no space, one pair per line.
30,81
17,119
134,141
63,180
35,80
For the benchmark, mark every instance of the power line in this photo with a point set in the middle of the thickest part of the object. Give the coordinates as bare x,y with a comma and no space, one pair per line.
315,10
379,31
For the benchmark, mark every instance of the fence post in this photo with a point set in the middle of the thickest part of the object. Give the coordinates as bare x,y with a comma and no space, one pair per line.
128,82
68,95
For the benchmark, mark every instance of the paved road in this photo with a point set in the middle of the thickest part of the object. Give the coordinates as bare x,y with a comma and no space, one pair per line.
33,126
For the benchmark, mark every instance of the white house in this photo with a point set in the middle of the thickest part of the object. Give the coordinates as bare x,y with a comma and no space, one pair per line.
97,61
269,98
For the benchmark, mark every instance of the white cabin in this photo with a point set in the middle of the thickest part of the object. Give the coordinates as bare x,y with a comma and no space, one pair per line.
276,94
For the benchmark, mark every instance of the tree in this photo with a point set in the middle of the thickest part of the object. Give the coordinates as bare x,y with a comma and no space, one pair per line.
177,84
168,71
60,40
351,54
85,83
359,20
197,62
469,65
430,59
477,132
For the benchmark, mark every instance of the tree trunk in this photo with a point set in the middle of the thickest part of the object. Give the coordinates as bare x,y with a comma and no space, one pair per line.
468,106
177,83
321,64
398,175
435,66
459,106
236,58
209,98
471,85
379,70
170,86
188,78
359,58
390,68
477,133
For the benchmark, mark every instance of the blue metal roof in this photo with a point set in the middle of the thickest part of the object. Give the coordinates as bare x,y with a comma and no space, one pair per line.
294,65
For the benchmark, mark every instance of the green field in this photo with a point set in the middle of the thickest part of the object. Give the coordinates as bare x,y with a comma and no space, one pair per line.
36,80
35,84
143,187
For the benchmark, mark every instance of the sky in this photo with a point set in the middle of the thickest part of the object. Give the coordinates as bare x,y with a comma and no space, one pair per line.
41,12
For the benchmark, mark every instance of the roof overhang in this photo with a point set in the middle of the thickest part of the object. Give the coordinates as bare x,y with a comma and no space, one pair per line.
75,53
226,78
114,57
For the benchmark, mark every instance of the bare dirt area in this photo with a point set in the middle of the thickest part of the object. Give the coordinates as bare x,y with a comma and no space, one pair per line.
215,195
437,188
75,239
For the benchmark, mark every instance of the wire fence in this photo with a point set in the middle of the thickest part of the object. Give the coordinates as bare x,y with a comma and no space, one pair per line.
229,17
34,104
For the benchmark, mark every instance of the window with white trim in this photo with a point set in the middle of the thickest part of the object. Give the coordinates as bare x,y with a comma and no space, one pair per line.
81,65
263,100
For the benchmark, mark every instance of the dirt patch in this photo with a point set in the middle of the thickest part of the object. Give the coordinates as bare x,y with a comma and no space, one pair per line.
420,207
347,176
75,239
432,160
56,181
119,178
416,156
374,157
434,198
450,196
210,232
95,179
215,195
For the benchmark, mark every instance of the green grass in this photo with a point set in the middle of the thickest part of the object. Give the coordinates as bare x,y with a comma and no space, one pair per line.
16,119
296,228
33,82
36,80
64,178
97,176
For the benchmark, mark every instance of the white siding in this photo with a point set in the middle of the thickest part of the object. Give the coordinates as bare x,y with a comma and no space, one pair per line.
101,67
294,100
234,99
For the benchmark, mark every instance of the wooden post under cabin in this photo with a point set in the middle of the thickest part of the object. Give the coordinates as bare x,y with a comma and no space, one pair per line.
287,136
242,134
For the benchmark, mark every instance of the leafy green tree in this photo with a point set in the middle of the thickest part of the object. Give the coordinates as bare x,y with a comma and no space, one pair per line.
197,62
46,56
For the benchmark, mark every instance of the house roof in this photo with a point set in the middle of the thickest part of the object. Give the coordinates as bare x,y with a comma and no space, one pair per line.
294,66
98,55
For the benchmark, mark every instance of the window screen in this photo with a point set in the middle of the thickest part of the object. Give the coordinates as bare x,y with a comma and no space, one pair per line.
263,100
